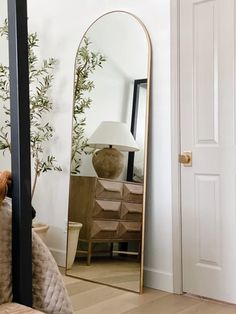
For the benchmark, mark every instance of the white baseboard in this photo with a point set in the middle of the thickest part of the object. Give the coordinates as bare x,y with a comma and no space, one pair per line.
157,279
59,255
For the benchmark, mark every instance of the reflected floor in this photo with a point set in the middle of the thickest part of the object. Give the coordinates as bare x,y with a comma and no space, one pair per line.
122,273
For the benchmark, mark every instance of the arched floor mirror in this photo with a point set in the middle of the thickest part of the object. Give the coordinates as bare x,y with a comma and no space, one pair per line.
109,153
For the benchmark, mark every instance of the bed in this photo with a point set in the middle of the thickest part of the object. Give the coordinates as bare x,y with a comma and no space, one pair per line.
48,289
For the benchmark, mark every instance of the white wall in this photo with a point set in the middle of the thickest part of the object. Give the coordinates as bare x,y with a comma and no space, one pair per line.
61,25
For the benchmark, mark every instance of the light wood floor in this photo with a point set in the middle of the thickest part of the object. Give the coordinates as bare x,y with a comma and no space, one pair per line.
123,273
90,298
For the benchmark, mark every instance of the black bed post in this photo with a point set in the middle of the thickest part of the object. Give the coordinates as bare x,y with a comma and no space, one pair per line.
20,147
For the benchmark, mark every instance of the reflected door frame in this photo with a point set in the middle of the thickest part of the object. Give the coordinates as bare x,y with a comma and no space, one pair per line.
133,125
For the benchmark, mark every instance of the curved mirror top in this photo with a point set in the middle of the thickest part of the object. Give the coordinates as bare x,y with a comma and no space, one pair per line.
109,148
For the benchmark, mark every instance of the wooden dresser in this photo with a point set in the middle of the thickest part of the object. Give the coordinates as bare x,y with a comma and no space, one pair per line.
110,211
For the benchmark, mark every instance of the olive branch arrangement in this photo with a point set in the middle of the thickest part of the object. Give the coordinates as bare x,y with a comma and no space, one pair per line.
85,64
40,79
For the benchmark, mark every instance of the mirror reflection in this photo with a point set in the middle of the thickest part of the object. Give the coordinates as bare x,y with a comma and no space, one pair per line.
109,148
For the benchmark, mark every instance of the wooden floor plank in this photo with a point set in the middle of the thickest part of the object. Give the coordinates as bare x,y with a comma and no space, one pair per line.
210,307
170,304
90,298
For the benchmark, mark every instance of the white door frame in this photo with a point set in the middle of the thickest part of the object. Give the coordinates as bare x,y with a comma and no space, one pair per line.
175,150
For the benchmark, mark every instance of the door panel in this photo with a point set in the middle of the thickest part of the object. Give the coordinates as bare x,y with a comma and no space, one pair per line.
207,88
207,210
205,80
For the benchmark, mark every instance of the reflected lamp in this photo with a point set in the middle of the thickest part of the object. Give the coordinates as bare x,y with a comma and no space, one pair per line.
111,138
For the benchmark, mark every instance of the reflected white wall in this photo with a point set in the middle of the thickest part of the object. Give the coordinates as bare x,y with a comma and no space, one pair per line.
126,61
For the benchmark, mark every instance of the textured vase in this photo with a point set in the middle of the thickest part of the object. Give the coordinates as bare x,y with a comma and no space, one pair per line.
108,163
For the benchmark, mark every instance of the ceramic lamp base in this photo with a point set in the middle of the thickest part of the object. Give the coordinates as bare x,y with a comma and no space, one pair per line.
108,163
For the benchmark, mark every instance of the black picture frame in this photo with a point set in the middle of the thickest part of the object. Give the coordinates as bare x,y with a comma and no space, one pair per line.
133,125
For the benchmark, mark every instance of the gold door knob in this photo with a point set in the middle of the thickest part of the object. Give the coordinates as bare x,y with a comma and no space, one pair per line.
186,159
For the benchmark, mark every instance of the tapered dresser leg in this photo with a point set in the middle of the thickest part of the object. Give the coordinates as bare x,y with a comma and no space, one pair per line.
89,253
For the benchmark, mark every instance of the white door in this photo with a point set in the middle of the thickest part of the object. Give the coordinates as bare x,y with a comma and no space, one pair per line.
208,129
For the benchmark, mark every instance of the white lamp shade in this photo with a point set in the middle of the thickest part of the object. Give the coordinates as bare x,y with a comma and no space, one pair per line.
115,134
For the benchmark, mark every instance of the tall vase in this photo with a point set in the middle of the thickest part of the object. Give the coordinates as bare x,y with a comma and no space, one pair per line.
41,230
73,237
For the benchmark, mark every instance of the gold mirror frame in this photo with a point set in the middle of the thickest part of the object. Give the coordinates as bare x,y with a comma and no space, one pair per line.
145,149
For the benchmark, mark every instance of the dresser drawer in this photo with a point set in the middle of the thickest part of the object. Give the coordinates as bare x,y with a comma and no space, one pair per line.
109,189
131,211
102,229
133,192
128,230
106,209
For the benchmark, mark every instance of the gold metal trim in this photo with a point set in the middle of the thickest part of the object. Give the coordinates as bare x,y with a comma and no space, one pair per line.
147,117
